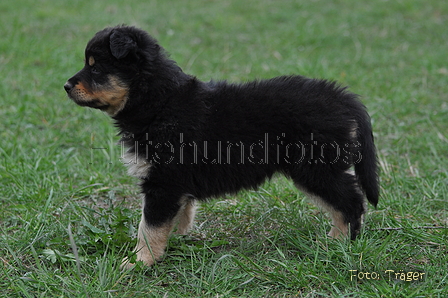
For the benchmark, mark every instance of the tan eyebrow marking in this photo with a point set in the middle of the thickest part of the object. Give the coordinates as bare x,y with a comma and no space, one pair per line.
91,61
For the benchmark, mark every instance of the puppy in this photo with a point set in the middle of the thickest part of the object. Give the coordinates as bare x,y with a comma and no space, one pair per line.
189,140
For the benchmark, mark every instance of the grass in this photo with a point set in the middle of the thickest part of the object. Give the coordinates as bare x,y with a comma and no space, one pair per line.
69,212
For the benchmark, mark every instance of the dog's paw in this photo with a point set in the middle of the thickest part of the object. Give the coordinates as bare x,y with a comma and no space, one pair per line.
337,233
142,256
126,264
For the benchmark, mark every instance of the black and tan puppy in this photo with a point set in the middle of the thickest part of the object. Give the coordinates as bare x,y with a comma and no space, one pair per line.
190,140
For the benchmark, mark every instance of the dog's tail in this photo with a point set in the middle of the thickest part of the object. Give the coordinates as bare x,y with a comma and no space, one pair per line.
366,168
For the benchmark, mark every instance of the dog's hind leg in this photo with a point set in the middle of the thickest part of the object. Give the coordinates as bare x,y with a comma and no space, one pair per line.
341,197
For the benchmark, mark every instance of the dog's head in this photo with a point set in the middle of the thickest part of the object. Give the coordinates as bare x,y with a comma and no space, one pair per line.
114,58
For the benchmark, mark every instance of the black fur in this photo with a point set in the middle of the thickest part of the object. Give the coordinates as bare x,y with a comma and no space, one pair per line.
208,139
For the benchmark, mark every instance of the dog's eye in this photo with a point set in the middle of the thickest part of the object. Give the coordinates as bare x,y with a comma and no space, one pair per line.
94,70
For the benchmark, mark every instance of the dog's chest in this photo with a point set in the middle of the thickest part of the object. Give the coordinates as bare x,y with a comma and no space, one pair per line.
137,166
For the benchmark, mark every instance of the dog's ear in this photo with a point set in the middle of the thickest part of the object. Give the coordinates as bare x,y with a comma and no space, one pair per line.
122,44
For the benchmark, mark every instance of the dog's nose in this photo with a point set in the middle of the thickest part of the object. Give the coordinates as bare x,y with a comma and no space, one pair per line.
68,86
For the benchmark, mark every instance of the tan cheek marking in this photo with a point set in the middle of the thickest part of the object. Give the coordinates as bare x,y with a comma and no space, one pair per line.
115,96
91,60
80,86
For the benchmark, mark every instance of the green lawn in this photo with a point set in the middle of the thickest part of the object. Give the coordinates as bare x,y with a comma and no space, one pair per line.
69,211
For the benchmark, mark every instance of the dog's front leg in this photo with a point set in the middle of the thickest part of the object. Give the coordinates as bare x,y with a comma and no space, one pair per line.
157,222
151,242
